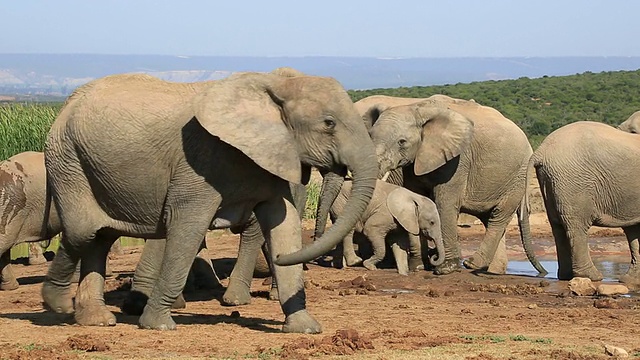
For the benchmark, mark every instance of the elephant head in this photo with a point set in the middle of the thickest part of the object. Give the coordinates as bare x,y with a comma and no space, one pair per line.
297,122
419,216
426,134
632,124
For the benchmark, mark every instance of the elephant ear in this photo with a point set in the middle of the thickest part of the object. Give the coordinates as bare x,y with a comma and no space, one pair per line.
404,209
445,135
246,112
372,114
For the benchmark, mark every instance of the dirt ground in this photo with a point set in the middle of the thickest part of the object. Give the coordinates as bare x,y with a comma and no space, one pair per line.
364,314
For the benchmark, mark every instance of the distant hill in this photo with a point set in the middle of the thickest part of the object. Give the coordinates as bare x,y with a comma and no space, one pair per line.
59,74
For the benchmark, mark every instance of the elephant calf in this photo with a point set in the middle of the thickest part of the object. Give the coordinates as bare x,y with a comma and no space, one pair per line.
407,218
587,173
26,215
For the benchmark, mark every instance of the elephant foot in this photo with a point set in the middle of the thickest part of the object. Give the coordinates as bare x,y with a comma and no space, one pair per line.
57,298
37,260
273,294
448,266
632,277
237,294
301,322
180,303
353,261
156,320
475,262
564,272
416,264
134,303
9,285
369,265
94,315
590,272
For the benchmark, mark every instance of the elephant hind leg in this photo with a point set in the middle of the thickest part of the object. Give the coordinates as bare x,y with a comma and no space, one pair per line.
7,279
485,257
632,276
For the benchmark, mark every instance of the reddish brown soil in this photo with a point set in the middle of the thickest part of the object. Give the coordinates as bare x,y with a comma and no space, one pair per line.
367,314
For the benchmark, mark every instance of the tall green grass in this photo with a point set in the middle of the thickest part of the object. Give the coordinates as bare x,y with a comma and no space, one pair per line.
24,127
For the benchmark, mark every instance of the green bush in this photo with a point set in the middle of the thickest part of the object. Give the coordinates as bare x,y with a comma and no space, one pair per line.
24,127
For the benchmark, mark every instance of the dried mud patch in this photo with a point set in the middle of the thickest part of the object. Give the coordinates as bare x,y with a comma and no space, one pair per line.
87,343
70,349
564,355
343,342
509,289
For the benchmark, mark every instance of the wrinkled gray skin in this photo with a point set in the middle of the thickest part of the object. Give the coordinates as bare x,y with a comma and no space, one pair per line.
467,157
632,124
406,219
587,173
129,156
24,209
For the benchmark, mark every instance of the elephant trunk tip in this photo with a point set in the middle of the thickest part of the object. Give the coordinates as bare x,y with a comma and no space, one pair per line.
436,260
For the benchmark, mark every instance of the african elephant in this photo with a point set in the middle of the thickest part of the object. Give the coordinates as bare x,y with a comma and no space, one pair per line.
632,124
587,173
467,157
132,155
24,209
407,219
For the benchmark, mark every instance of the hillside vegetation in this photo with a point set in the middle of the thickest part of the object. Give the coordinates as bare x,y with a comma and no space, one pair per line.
542,105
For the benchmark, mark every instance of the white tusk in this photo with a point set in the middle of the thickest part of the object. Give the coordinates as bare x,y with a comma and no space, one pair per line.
385,176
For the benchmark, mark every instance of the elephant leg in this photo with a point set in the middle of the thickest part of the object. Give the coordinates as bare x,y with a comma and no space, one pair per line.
449,225
284,236
116,248
349,252
7,279
495,227
251,241
146,273
582,265
632,275
273,292
500,260
379,249
56,289
91,309
416,252
36,257
184,237
563,251
400,249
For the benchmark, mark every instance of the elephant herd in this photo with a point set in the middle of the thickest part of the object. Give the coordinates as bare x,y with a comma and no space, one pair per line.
132,155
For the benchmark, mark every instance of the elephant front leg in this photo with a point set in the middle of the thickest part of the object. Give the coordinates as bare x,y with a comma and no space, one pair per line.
281,224
449,224
495,226
7,279
400,249
56,288
377,239
348,251
251,241
145,276
91,309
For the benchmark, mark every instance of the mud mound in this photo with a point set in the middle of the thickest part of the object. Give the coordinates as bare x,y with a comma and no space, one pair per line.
508,289
36,352
343,342
413,339
87,343
564,355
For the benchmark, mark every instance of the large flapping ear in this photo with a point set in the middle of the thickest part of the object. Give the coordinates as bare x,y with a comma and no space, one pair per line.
246,112
404,209
371,115
445,135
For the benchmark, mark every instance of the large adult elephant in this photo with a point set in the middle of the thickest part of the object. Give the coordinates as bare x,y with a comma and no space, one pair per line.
587,173
468,157
134,155
632,124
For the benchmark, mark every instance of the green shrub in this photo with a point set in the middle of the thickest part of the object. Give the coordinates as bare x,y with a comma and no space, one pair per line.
24,127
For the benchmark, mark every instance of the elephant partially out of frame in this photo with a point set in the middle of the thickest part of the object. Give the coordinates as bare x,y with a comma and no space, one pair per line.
395,214
131,155
587,173
467,157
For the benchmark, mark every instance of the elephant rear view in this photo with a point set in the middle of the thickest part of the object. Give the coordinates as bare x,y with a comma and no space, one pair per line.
132,155
27,214
588,175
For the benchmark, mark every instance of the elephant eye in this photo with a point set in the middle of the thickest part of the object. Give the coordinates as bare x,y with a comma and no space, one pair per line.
329,123
402,142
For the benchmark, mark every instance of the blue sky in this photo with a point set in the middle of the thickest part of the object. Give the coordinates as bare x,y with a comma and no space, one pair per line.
371,28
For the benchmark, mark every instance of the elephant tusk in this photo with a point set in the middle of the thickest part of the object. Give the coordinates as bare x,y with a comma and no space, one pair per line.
385,176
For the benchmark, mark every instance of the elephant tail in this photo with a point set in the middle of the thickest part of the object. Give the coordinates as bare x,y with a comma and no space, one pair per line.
523,213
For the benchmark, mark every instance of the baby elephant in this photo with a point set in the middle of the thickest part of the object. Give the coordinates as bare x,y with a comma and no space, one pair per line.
396,214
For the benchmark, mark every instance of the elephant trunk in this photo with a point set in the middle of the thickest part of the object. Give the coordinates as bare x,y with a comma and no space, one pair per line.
438,258
361,161
331,185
